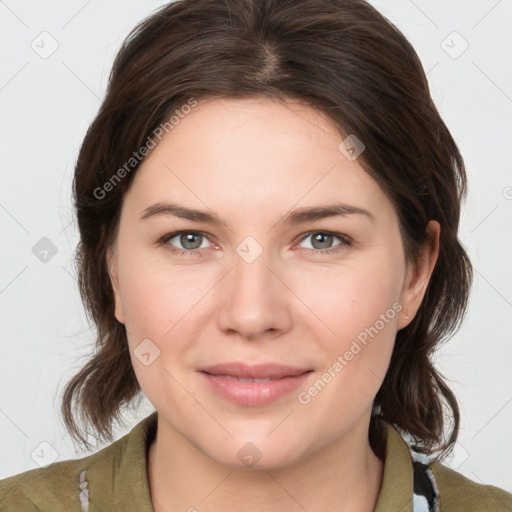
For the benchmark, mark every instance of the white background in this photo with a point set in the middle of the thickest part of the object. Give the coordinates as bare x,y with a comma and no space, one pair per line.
46,106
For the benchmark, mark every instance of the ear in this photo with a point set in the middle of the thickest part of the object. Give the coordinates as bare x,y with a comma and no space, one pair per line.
114,279
418,275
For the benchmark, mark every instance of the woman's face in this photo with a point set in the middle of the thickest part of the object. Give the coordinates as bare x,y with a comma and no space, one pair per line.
305,303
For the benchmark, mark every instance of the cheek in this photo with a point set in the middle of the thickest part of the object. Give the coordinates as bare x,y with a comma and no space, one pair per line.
162,309
352,297
156,297
359,309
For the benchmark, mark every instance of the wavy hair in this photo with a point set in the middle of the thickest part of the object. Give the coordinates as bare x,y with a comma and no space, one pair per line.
346,60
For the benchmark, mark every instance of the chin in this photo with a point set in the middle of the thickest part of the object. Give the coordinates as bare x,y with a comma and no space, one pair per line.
242,453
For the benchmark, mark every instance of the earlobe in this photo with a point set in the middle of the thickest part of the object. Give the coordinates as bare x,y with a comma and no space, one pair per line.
418,275
114,280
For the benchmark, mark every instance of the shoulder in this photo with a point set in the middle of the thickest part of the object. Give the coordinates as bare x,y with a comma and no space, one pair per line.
65,486
54,487
28,491
460,494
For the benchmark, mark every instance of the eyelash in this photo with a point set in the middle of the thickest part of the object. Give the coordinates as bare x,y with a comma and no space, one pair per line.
345,241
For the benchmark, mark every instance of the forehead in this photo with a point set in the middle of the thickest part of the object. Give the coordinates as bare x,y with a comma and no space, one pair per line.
255,153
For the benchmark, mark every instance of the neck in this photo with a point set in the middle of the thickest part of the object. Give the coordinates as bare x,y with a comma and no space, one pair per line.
345,476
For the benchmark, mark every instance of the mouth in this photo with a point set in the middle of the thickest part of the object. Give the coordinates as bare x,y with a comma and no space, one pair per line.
254,385
241,379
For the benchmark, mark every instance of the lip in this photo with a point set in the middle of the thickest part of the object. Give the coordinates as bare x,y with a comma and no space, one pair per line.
278,381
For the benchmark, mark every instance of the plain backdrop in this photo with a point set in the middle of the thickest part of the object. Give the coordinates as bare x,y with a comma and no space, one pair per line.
55,60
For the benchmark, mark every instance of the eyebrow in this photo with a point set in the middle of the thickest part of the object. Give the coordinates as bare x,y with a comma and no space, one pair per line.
298,216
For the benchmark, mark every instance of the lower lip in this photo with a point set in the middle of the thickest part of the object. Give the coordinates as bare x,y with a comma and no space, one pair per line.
254,394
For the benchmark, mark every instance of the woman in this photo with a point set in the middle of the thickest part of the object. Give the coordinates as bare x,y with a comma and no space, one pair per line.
268,204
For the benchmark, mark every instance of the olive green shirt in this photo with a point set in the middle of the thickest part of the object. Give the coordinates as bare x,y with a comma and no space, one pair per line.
116,479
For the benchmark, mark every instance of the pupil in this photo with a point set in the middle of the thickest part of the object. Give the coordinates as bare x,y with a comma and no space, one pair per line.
188,238
319,236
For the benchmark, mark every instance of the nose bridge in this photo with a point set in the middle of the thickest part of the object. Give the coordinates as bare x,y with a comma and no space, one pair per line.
252,280
251,271
253,303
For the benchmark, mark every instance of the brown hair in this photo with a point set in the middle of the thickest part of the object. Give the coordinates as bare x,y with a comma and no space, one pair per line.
341,57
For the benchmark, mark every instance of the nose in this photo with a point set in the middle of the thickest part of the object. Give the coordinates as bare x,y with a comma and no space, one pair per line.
255,302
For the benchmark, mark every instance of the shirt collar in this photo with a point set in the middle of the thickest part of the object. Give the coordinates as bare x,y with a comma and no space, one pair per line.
131,485
396,491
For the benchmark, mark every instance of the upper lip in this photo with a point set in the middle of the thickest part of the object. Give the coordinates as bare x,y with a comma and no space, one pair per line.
254,371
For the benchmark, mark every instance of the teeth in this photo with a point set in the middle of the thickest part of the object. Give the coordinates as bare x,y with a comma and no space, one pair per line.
247,380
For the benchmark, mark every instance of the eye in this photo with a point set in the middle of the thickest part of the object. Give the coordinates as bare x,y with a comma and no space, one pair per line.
321,242
189,240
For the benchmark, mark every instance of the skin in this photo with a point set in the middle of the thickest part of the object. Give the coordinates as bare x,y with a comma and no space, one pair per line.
251,162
